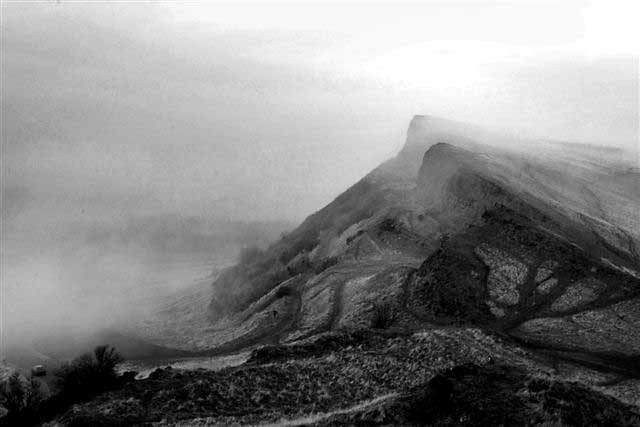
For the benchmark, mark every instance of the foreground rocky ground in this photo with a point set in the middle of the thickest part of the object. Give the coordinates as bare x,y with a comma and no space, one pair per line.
446,376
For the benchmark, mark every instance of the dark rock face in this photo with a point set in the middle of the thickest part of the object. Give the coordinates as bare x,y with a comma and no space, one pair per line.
450,285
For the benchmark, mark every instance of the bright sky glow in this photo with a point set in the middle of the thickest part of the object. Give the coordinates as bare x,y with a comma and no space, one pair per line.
152,104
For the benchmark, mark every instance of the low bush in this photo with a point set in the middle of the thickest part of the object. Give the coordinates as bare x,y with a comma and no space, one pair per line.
29,402
390,225
300,264
352,238
21,397
88,374
302,243
326,263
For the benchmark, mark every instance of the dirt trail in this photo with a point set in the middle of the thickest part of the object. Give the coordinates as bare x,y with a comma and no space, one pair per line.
319,417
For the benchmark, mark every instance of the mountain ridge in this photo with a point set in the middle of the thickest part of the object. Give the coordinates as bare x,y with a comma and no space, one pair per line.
453,265
396,217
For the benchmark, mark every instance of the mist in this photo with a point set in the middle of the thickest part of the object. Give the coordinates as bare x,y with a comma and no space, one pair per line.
144,144
79,277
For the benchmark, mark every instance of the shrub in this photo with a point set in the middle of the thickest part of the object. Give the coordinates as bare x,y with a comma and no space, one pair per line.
326,263
351,238
299,264
383,316
21,397
302,243
88,374
390,225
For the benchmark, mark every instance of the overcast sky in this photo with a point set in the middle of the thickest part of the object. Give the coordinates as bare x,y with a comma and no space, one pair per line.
271,110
